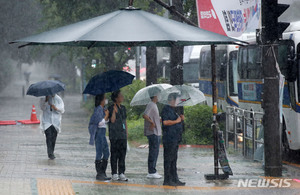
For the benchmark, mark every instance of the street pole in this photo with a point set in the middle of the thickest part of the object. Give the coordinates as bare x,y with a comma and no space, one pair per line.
83,65
215,109
271,120
270,34
151,67
137,63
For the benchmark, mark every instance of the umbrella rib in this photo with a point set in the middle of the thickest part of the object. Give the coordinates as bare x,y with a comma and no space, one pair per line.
23,45
92,45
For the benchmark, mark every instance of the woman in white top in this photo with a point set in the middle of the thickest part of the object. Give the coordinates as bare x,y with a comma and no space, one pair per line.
97,129
52,107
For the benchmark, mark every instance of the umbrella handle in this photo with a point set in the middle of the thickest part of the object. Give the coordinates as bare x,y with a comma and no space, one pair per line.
184,101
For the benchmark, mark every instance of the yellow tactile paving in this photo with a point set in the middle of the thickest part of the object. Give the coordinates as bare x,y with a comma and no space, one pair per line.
291,164
54,187
294,184
64,187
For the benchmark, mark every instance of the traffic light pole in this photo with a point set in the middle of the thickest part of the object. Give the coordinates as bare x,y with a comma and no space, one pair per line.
270,34
271,120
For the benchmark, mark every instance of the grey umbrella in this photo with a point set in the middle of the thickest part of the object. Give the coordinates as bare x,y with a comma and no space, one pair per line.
128,26
134,27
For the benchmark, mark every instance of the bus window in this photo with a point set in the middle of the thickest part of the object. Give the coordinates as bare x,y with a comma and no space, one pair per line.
233,73
249,66
282,59
190,72
205,64
242,63
254,69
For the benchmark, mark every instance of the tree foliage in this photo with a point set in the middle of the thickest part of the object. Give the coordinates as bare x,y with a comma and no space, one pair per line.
18,19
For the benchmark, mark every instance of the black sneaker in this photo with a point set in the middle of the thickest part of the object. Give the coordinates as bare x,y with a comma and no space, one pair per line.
179,183
51,157
169,183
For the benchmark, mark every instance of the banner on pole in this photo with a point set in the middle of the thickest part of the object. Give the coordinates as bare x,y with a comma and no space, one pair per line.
231,17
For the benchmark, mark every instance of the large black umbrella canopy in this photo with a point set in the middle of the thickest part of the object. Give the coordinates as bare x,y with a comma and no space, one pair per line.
127,27
108,82
45,88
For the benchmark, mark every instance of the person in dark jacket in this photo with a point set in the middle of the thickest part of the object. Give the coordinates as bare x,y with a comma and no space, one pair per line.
172,129
97,129
117,136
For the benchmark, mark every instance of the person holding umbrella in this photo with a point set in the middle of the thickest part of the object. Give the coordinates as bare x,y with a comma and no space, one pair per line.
172,128
52,107
117,136
152,129
110,81
97,129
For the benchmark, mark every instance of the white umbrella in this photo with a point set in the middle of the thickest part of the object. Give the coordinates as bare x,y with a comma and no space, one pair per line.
142,97
187,95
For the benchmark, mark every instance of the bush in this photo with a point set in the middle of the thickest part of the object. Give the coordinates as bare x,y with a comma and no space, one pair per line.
198,120
133,112
136,131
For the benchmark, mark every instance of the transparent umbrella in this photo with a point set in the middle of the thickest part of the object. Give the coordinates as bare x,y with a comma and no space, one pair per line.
187,95
142,97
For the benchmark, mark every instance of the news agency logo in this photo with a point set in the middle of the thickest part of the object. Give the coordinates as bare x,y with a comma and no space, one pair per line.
208,14
264,183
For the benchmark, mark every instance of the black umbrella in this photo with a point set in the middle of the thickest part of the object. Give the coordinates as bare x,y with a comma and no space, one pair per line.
44,88
107,82
130,27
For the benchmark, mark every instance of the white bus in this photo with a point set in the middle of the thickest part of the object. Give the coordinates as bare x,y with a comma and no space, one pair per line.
250,83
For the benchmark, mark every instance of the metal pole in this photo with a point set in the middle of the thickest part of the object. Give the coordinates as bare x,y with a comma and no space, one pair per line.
253,134
173,11
214,98
83,80
271,119
138,63
228,111
235,132
244,126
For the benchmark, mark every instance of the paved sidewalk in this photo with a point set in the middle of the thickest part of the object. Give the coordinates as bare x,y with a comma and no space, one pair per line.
25,168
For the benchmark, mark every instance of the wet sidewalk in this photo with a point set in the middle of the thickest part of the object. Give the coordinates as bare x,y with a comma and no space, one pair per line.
25,168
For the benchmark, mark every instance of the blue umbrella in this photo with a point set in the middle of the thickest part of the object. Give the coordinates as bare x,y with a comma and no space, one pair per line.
108,81
44,88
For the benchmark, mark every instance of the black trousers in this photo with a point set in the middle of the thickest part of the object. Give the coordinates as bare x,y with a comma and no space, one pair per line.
170,161
118,148
51,135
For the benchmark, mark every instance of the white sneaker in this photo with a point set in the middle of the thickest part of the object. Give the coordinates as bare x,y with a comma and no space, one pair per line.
115,177
154,176
123,177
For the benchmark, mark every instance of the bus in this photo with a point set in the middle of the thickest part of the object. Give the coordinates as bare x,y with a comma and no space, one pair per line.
226,62
250,83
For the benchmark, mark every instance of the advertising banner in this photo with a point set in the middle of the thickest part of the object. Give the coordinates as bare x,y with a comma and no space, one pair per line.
229,17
